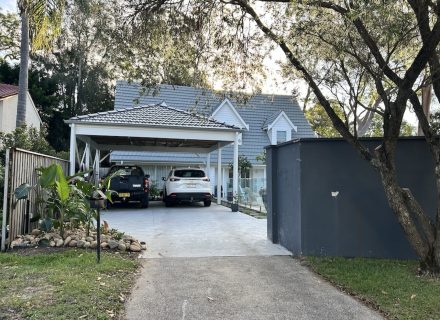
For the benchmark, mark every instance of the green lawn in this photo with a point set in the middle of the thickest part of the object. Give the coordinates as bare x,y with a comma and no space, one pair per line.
64,285
392,286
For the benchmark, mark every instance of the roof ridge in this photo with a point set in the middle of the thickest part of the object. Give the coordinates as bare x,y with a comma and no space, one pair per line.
200,116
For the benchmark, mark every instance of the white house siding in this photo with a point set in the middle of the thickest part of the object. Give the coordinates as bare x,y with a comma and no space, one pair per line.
8,114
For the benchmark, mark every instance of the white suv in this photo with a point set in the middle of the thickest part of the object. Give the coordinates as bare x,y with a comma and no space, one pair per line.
187,184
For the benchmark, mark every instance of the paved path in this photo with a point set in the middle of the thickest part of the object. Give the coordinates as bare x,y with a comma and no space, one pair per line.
247,288
194,231
215,264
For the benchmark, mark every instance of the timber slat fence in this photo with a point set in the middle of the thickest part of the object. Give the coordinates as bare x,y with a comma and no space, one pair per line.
22,169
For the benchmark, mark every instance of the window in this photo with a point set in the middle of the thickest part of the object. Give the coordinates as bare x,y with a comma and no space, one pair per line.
188,173
281,136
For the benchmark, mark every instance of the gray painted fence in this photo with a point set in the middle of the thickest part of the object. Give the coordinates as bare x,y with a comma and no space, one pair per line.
323,199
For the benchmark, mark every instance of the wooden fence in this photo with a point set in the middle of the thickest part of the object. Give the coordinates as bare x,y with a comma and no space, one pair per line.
22,169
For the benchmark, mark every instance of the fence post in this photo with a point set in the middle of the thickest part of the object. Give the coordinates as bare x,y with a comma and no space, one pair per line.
5,200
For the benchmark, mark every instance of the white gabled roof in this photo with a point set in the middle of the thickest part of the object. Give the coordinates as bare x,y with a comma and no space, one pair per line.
227,104
274,118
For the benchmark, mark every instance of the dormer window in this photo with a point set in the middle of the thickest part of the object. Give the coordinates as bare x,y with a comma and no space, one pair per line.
279,127
281,136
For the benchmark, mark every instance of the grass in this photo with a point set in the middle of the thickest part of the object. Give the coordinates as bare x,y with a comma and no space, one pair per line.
391,286
64,285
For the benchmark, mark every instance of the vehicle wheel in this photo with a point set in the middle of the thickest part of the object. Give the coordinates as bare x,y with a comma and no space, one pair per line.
145,201
207,203
168,203
108,205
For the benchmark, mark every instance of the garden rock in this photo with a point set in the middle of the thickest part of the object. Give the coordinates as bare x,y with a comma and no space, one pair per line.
68,239
135,247
81,243
78,238
113,244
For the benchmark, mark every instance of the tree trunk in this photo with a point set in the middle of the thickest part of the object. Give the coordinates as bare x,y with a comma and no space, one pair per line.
24,70
426,104
418,228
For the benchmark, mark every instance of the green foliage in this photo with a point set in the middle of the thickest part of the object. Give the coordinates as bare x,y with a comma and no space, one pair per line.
30,139
9,36
244,164
435,122
261,157
321,123
376,128
392,286
45,19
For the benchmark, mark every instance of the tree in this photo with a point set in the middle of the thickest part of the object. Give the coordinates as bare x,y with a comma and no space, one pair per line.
40,24
9,36
358,58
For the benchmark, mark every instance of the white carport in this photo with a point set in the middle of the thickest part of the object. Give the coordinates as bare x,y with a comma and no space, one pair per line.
151,128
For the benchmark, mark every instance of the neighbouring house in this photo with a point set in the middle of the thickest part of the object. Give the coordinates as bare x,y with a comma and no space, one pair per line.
8,109
264,118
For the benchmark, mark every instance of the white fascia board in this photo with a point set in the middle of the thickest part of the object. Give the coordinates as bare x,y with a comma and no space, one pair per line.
153,148
155,132
282,114
226,101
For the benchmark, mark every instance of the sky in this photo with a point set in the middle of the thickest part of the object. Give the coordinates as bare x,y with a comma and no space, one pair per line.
9,5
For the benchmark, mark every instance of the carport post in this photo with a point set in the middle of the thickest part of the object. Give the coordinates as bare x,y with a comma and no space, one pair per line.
87,158
235,168
208,164
72,149
219,175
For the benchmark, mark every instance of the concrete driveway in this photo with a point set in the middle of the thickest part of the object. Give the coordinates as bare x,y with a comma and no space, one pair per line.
239,288
191,230
216,264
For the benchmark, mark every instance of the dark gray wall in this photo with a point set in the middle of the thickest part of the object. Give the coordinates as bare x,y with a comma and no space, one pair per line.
358,222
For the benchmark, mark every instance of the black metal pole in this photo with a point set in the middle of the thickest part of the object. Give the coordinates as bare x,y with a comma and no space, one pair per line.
98,234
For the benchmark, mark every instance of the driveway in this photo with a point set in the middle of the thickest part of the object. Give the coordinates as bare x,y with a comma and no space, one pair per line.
194,231
224,288
211,263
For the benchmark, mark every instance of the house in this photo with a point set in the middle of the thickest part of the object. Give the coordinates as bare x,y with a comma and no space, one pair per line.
8,109
264,119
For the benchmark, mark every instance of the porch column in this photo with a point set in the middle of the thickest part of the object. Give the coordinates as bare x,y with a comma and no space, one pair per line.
87,158
208,164
97,165
235,168
72,150
219,174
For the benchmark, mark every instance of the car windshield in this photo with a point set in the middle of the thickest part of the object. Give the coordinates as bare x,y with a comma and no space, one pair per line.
128,171
189,173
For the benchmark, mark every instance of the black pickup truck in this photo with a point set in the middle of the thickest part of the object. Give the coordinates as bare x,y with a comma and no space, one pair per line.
131,184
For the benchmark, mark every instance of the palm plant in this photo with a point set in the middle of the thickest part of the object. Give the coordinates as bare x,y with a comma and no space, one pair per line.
40,25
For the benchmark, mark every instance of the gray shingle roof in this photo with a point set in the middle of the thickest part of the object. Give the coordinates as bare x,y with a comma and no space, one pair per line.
152,115
254,112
